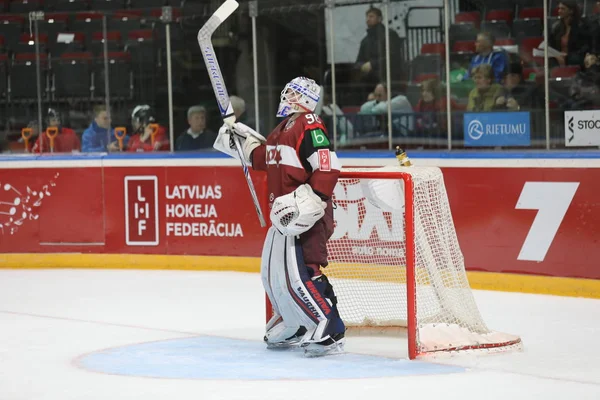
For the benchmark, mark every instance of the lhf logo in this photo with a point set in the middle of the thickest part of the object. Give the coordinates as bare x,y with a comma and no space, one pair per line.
141,210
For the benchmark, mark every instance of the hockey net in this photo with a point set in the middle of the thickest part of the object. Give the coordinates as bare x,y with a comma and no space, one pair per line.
395,261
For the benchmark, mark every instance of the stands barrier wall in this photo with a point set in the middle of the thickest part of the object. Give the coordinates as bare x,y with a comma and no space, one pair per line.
529,215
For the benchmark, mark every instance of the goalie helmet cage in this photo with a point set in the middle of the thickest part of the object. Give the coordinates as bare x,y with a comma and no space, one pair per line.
395,262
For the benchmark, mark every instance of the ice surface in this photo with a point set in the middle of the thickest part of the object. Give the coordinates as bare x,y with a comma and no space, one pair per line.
53,320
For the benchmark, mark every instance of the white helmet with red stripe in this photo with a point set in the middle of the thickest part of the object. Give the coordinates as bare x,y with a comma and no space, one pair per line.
298,96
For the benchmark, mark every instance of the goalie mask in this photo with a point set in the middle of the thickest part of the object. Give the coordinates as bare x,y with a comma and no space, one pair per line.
300,95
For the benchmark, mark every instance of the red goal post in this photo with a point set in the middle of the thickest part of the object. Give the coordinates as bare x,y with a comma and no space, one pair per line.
395,262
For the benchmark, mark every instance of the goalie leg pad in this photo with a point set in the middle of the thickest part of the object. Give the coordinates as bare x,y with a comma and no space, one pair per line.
281,336
301,299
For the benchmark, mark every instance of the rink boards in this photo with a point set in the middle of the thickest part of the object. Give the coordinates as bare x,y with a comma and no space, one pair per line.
529,217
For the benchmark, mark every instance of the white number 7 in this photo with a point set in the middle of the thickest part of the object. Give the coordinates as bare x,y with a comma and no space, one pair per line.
551,199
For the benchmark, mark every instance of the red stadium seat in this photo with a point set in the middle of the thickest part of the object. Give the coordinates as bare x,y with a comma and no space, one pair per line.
350,109
532,12
564,72
423,77
505,42
464,46
470,16
433,48
526,47
500,15
157,13
141,35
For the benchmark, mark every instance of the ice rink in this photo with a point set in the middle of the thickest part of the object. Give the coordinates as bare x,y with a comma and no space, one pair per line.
124,334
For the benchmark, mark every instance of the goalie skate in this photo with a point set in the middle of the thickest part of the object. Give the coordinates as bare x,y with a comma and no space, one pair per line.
289,343
329,346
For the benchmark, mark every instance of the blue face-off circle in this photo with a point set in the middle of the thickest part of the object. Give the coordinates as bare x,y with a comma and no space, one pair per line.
222,358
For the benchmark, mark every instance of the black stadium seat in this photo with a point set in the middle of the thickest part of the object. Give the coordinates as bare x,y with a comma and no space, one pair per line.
500,29
73,75
107,5
120,75
11,27
23,76
113,42
426,64
527,28
3,76
88,23
463,31
53,23
27,43
68,5
147,3
126,21
70,42
141,45
25,6
498,4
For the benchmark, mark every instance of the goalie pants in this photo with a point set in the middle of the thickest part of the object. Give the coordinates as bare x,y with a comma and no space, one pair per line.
298,295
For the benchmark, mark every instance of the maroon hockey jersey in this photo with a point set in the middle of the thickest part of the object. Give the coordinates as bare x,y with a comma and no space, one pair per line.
299,151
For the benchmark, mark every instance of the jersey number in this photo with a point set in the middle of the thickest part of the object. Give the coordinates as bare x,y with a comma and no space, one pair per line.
313,119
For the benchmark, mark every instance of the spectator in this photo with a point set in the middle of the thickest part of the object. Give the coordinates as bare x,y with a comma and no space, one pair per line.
196,137
497,59
371,55
378,104
65,141
95,138
431,108
239,109
593,24
487,95
520,94
142,120
326,108
568,34
585,87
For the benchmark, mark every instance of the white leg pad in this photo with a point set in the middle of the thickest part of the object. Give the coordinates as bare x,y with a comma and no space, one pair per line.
286,290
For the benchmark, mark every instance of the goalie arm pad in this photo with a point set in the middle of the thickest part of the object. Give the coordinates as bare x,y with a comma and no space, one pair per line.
297,212
249,140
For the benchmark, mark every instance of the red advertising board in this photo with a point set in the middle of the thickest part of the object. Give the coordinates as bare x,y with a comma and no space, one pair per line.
543,221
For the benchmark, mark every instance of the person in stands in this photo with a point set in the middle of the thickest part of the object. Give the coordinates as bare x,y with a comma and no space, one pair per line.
58,140
148,135
196,137
487,95
569,34
96,138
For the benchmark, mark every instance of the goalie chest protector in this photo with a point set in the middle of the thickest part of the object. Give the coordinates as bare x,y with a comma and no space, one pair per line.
298,152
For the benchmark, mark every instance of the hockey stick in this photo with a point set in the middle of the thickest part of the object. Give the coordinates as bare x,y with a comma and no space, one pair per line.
218,84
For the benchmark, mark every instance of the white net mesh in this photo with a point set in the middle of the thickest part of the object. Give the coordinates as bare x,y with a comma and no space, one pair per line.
367,255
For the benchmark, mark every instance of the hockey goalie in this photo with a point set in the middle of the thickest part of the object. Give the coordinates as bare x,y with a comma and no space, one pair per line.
302,172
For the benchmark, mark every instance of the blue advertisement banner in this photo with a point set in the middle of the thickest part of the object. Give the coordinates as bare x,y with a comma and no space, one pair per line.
497,129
